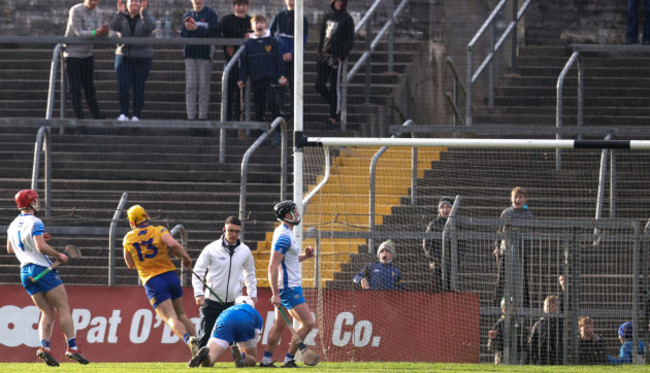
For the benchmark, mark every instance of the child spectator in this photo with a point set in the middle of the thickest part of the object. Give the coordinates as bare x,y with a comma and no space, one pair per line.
283,31
545,344
199,22
382,275
625,336
262,62
496,334
433,247
518,210
590,346
336,42
235,25
132,61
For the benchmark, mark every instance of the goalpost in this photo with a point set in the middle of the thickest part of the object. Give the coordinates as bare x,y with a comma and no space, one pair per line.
590,213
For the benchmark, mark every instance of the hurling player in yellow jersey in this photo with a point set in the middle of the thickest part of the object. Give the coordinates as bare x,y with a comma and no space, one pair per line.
147,248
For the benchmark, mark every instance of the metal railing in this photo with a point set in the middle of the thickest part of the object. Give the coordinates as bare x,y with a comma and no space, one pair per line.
279,121
372,176
367,54
111,238
454,97
42,144
182,232
495,45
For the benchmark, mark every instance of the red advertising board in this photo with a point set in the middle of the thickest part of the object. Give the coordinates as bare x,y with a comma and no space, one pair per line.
117,324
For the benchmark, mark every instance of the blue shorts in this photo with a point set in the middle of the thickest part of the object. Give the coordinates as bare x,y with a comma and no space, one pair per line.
44,284
291,297
236,327
162,287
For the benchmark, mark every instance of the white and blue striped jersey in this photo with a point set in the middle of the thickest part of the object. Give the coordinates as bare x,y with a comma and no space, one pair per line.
284,242
21,233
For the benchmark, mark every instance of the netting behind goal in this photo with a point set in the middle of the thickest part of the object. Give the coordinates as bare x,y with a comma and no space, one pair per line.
449,296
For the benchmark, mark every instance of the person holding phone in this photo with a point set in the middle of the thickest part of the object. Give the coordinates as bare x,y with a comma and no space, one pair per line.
132,61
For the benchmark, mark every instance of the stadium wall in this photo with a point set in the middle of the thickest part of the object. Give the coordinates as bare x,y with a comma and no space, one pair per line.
117,324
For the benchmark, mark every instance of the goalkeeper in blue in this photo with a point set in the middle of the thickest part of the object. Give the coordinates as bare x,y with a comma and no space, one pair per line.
239,327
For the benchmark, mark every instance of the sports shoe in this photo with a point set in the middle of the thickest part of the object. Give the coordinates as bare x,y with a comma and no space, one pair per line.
290,364
122,118
269,365
47,358
193,343
203,354
135,119
76,355
240,362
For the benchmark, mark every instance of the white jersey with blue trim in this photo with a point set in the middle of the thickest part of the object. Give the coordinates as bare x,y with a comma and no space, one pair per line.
21,233
284,242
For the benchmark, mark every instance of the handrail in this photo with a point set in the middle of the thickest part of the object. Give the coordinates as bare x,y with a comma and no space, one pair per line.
224,100
52,83
372,172
180,229
42,142
450,227
111,238
559,103
279,121
459,89
319,186
517,14
347,76
601,188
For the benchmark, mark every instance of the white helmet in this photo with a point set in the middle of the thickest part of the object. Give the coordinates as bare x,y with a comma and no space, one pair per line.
245,299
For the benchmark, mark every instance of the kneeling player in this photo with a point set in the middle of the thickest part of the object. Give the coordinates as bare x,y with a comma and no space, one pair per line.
239,326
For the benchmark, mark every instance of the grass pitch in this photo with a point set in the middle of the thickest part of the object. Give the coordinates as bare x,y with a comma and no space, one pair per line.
321,367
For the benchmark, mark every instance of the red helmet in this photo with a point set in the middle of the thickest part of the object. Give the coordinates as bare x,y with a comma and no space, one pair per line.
27,198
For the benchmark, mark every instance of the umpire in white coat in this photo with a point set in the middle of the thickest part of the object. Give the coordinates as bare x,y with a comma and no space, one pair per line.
225,265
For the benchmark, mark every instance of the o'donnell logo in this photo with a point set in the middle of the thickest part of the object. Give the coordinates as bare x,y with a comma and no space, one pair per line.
19,326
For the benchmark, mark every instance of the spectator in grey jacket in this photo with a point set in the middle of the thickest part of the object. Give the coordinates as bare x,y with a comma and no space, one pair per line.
132,61
84,21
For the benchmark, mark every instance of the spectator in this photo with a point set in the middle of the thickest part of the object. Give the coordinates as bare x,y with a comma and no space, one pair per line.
199,22
262,62
26,239
239,326
84,21
433,247
382,275
336,42
282,30
625,336
518,210
132,61
632,36
545,344
223,263
158,273
236,25
497,333
590,346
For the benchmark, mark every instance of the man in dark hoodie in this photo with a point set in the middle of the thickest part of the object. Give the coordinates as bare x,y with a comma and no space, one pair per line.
336,42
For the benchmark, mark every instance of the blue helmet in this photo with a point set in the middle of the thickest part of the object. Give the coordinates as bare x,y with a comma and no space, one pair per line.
625,330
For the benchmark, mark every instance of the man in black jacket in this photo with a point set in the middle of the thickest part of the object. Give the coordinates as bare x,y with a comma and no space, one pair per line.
336,42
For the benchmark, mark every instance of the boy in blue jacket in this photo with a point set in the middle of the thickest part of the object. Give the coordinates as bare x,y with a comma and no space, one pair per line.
625,336
262,63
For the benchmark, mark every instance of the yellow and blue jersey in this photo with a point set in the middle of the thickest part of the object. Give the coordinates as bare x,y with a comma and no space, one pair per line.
150,254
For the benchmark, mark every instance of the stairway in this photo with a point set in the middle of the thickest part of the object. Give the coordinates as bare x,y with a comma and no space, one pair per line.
176,177
24,74
615,90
